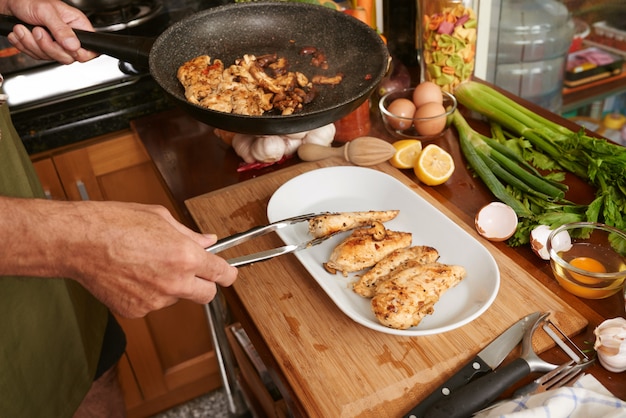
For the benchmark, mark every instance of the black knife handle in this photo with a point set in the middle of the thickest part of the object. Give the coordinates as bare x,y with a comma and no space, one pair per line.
479,393
473,369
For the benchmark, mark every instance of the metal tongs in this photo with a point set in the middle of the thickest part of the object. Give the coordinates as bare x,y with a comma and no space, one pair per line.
256,231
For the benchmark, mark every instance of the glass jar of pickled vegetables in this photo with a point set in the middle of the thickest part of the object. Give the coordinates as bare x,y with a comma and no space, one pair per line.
448,41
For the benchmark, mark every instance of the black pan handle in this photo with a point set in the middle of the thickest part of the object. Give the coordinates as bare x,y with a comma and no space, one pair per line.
131,49
479,393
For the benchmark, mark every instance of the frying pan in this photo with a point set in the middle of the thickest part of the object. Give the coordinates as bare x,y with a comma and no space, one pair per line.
230,31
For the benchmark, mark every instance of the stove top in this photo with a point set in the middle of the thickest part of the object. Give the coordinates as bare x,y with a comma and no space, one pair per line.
56,105
32,83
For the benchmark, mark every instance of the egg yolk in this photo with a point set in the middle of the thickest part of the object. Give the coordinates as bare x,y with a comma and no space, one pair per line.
586,292
588,264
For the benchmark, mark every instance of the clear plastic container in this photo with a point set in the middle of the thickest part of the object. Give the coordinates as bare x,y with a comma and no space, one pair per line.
534,38
448,34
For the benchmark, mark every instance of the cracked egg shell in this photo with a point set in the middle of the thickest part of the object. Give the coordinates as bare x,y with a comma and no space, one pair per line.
496,221
539,241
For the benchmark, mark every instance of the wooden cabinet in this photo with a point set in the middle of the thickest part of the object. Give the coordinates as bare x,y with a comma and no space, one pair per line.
169,357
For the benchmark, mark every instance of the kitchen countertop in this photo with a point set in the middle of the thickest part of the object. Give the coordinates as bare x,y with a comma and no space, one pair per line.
193,162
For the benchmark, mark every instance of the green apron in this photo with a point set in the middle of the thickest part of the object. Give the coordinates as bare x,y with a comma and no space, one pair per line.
51,330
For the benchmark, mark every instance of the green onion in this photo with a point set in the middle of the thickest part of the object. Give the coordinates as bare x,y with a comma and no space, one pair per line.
513,126
517,119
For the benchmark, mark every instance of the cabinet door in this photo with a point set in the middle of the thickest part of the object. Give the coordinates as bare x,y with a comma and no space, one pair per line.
49,179
169,357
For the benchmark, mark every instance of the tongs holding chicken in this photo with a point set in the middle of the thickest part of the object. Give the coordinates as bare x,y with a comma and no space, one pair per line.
325,224
330,223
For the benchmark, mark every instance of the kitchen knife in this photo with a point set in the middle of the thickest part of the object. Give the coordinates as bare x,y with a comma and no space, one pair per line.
485,361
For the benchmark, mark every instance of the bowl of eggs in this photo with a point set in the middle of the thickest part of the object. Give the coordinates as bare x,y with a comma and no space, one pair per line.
588,259
423,112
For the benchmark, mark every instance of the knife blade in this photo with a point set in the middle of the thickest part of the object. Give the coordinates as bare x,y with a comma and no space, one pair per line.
484,362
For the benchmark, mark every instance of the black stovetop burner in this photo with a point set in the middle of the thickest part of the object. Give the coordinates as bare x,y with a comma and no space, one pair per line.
124,17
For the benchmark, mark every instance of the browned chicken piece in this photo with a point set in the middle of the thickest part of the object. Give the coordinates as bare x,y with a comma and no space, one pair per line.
409,295
200,77
324,225
363,250
394,262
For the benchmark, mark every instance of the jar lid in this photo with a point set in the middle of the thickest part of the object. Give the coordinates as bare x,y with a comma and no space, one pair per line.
614,121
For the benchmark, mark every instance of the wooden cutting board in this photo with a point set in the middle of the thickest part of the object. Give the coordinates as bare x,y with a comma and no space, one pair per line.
336,367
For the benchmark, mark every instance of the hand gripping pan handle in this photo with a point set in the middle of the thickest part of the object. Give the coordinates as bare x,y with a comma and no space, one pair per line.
132,49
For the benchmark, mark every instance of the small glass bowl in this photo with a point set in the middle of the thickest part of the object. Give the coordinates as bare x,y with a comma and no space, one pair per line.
449,103
593,245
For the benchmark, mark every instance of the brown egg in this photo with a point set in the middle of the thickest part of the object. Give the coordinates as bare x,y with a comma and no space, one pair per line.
404,109
427,92
430,119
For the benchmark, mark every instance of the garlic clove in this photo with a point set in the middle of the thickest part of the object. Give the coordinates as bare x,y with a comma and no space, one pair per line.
539,241
610,344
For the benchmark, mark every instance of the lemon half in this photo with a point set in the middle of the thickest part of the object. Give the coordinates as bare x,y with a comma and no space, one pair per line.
407,152
434,166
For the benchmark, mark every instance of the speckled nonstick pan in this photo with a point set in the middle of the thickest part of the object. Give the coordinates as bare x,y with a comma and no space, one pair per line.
228,32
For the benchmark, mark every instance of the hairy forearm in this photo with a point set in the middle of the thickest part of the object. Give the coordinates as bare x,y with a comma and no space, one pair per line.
39,236
134,258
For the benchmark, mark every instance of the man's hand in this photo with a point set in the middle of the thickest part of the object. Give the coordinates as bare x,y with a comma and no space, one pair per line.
60,43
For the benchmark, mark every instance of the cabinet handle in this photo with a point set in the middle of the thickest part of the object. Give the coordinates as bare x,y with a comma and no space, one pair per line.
82,190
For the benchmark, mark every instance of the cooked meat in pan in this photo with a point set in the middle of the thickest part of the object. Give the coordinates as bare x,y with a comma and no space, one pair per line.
251,86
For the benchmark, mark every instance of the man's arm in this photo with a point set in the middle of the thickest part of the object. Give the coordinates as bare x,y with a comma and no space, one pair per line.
134,258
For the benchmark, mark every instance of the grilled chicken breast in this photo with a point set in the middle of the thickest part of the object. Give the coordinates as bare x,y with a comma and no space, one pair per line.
364,248
409,295
397,260
345,221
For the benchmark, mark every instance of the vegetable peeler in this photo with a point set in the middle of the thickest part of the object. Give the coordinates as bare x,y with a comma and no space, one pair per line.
257,231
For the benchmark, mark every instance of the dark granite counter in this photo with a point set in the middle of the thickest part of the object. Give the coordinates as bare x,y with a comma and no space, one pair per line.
90,116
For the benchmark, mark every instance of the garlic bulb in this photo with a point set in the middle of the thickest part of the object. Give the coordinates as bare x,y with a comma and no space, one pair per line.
268,149
271,148
322,136
291,144
611,344
297,135
539,241
242,145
